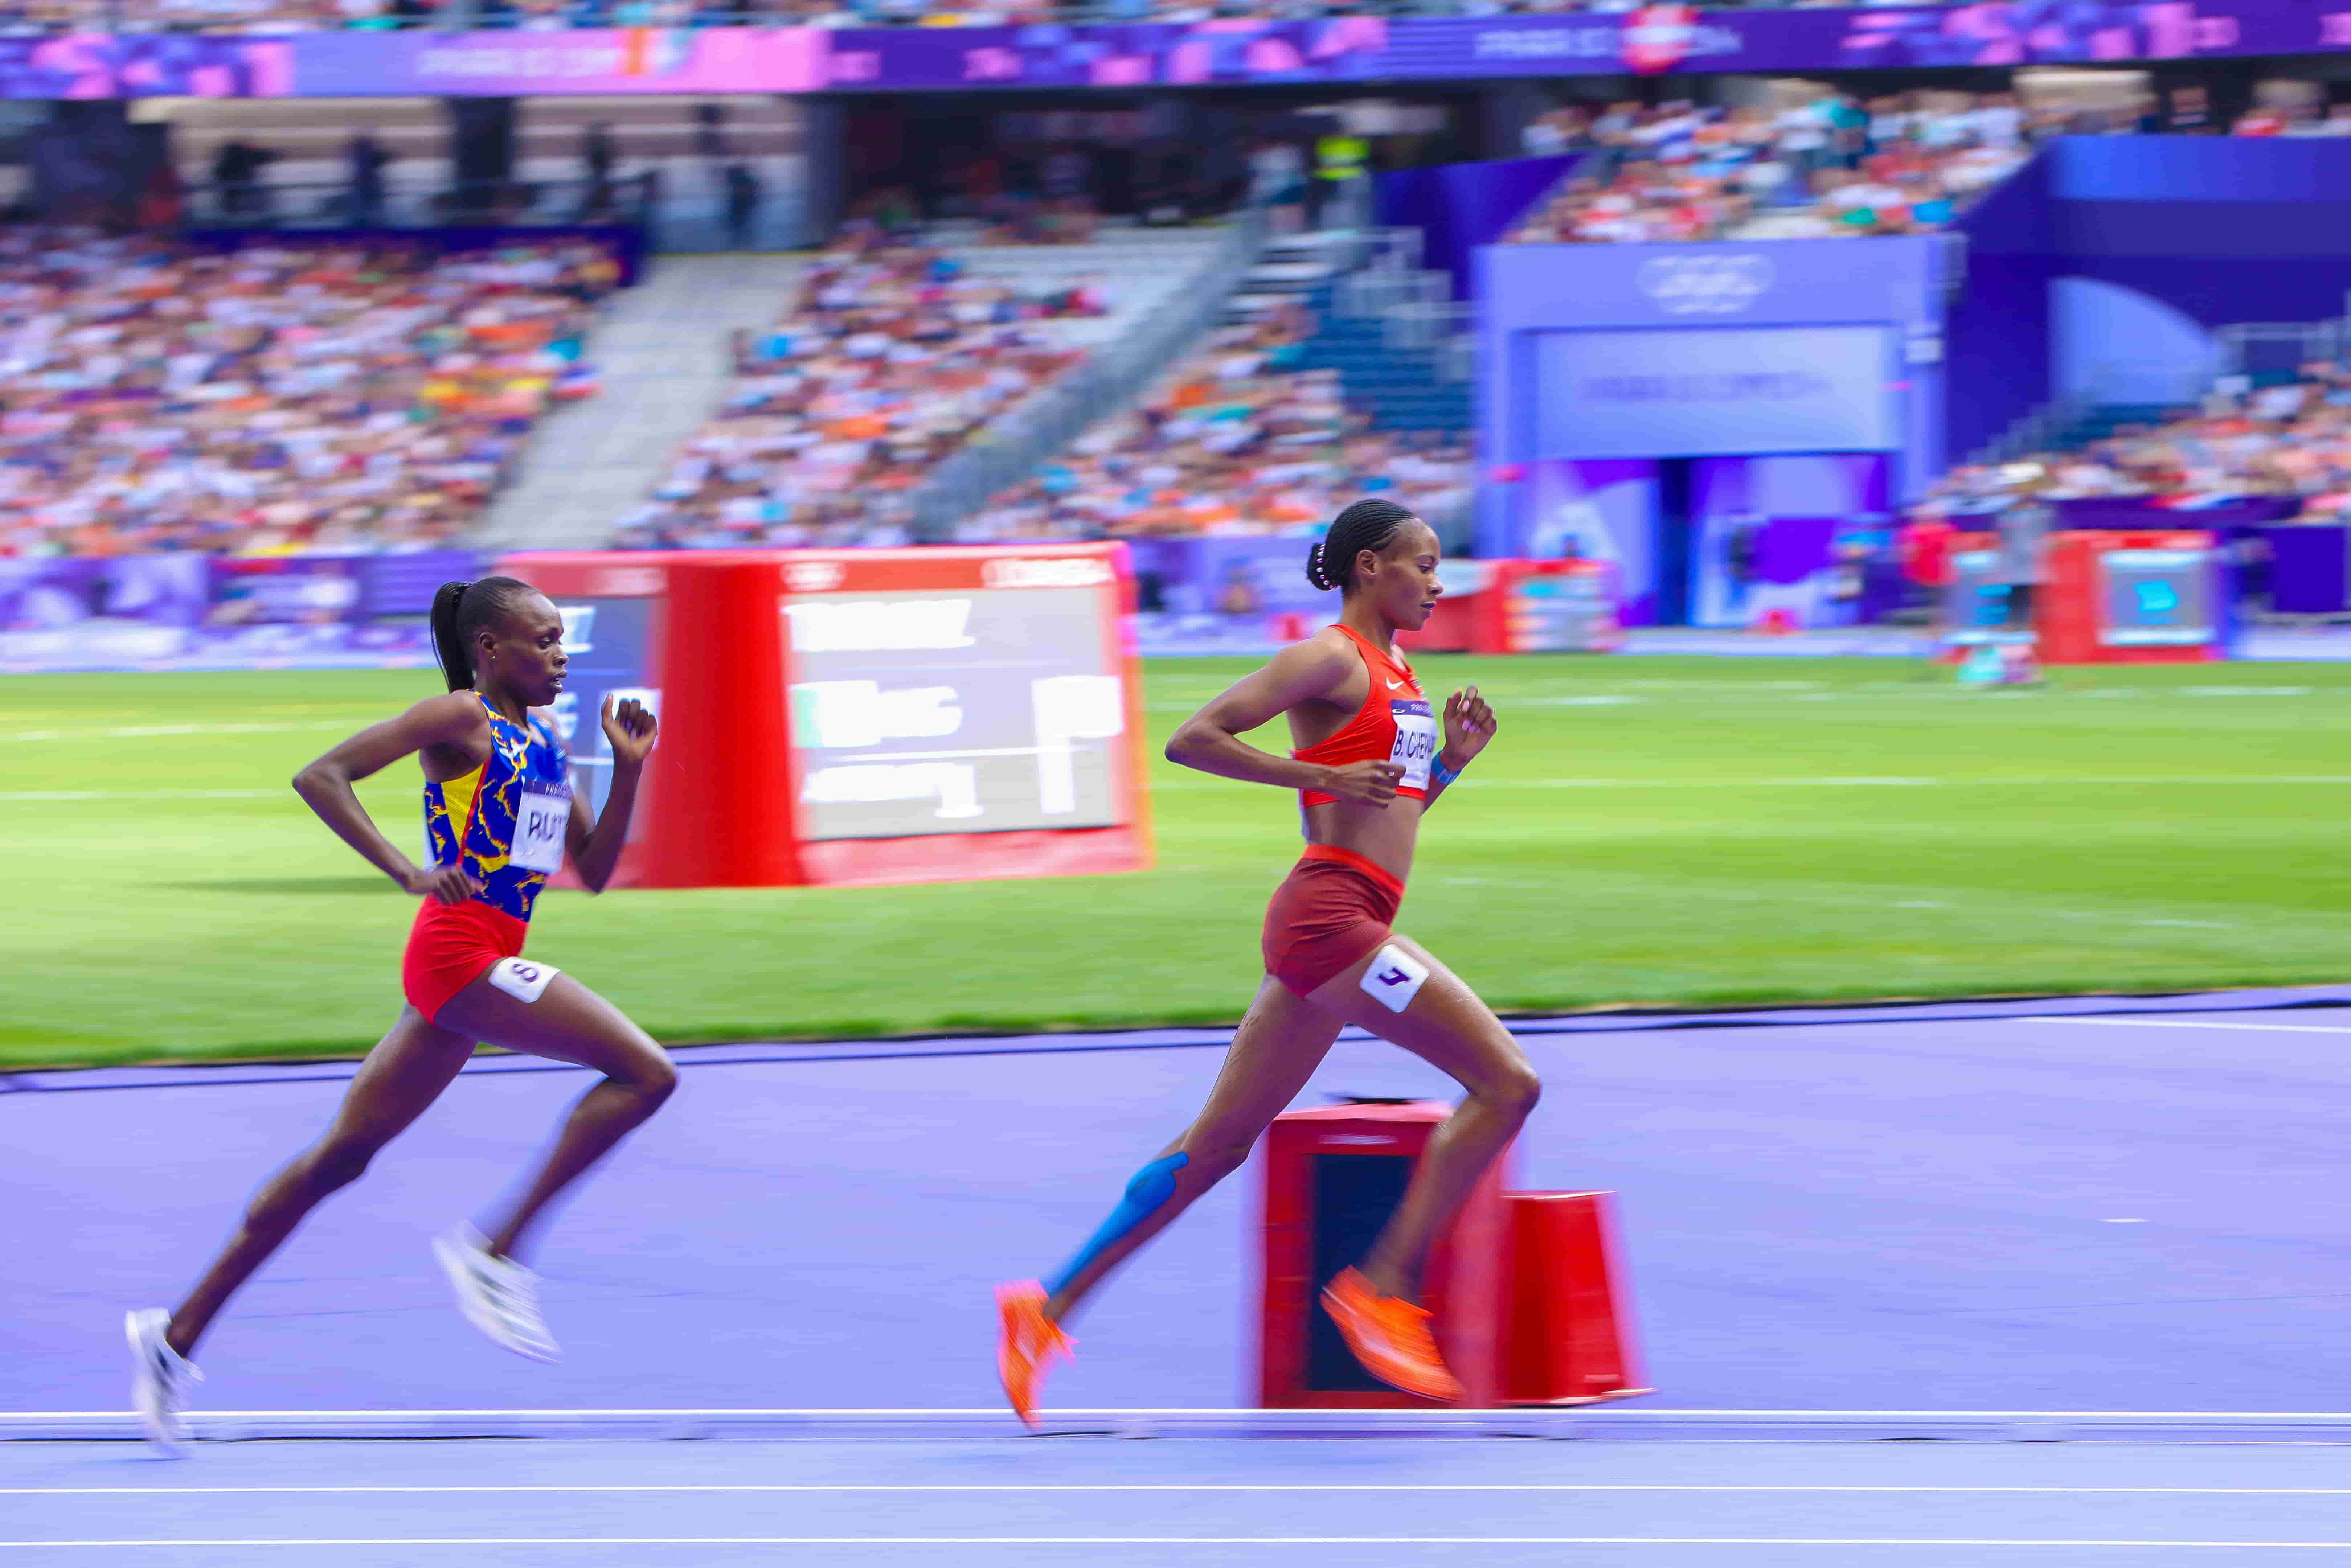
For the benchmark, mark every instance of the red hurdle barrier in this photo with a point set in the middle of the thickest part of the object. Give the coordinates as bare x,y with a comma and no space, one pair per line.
1570,1339
1524,1287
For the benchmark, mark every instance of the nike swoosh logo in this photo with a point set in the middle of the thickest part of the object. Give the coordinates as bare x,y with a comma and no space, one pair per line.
1396,685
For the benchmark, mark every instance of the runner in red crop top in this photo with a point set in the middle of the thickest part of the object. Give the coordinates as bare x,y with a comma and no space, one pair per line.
1370,758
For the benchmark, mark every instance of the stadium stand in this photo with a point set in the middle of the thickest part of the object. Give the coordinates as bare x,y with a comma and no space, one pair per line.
157,396
2289,438
893,353
1266,427
1826,167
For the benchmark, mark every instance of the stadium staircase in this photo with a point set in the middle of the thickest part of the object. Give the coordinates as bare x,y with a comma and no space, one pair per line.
1402,388
1385,324
1166,288
662,356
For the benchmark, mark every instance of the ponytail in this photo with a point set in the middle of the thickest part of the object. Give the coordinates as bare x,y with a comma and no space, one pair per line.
460,612
1365,525
448,642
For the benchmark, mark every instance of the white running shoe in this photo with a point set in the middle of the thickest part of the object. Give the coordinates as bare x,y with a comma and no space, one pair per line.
158,1379
498,1296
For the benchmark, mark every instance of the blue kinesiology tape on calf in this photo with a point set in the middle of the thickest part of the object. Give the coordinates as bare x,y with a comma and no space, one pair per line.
1153,1185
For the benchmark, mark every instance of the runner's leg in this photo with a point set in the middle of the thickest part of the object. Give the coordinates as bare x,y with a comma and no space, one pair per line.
1448,1026
404,1074
1276,1050
568,1022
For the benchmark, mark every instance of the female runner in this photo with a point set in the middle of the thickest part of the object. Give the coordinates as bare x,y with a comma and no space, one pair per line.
1367,766
499,815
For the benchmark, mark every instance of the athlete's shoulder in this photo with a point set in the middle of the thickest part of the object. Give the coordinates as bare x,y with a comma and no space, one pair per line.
452,716
1318,667
1329,651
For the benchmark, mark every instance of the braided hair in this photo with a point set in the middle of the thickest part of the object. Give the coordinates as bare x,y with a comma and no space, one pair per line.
460,611
1365,525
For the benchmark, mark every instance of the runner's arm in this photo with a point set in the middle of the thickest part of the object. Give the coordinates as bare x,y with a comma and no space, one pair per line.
1210,740
596,841
325,787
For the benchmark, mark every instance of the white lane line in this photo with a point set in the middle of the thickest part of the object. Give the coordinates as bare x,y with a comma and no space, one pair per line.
1195,1487
2197,1023
1198,1540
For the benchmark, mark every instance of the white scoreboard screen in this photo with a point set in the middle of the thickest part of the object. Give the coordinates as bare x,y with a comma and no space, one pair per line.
977,710
863,718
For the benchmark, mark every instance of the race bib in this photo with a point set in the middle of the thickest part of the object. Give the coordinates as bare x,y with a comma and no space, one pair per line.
1415,739
541,818
1394,978
521,978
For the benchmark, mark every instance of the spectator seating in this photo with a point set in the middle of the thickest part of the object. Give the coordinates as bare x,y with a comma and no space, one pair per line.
164,397
1823,169
894,352
1238,438
2291,437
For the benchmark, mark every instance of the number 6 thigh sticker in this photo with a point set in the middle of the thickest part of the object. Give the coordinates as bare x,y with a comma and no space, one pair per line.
1396,978
521,978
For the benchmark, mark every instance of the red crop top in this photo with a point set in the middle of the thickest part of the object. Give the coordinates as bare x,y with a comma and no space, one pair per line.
1395,723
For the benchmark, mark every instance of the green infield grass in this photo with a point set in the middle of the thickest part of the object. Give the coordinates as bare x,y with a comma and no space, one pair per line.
1645,831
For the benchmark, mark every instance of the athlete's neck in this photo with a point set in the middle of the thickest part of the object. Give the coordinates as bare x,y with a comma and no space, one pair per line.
503,703
1358,617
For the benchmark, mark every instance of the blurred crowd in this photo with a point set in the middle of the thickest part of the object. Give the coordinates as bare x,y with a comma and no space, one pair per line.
1236,439
156,396
1834,166
2292,439
887,360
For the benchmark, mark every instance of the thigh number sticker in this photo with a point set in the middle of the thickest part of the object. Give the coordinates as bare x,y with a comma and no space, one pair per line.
1396,978
521,978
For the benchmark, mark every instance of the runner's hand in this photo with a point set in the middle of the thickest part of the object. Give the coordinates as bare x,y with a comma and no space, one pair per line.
1469,726
1366,783
442,884
630,726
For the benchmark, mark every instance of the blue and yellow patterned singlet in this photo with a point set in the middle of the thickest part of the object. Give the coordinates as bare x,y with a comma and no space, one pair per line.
525,788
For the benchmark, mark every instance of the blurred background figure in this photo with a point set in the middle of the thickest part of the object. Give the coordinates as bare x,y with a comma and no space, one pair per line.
366,159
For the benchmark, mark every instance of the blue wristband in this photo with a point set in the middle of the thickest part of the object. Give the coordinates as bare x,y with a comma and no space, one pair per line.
1440,775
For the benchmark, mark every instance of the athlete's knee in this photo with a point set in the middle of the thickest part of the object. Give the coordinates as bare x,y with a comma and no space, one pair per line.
338,1163
651,1077
1511,1090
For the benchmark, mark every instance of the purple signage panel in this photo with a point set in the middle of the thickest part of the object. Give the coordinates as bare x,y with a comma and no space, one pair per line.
1653,40
197,612
583,60
1603,509
1791,535
178,65
1137,54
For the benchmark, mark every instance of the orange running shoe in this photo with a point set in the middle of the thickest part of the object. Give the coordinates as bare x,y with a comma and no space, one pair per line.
1028,1345
1390,1336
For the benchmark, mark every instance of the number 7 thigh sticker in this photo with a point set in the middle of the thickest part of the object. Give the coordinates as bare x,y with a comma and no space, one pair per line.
521,978
1396,978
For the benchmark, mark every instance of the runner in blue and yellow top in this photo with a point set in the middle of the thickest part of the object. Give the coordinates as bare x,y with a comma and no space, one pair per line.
499,817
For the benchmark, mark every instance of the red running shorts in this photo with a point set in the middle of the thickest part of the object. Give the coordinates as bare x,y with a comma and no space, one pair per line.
1333,908
452,945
